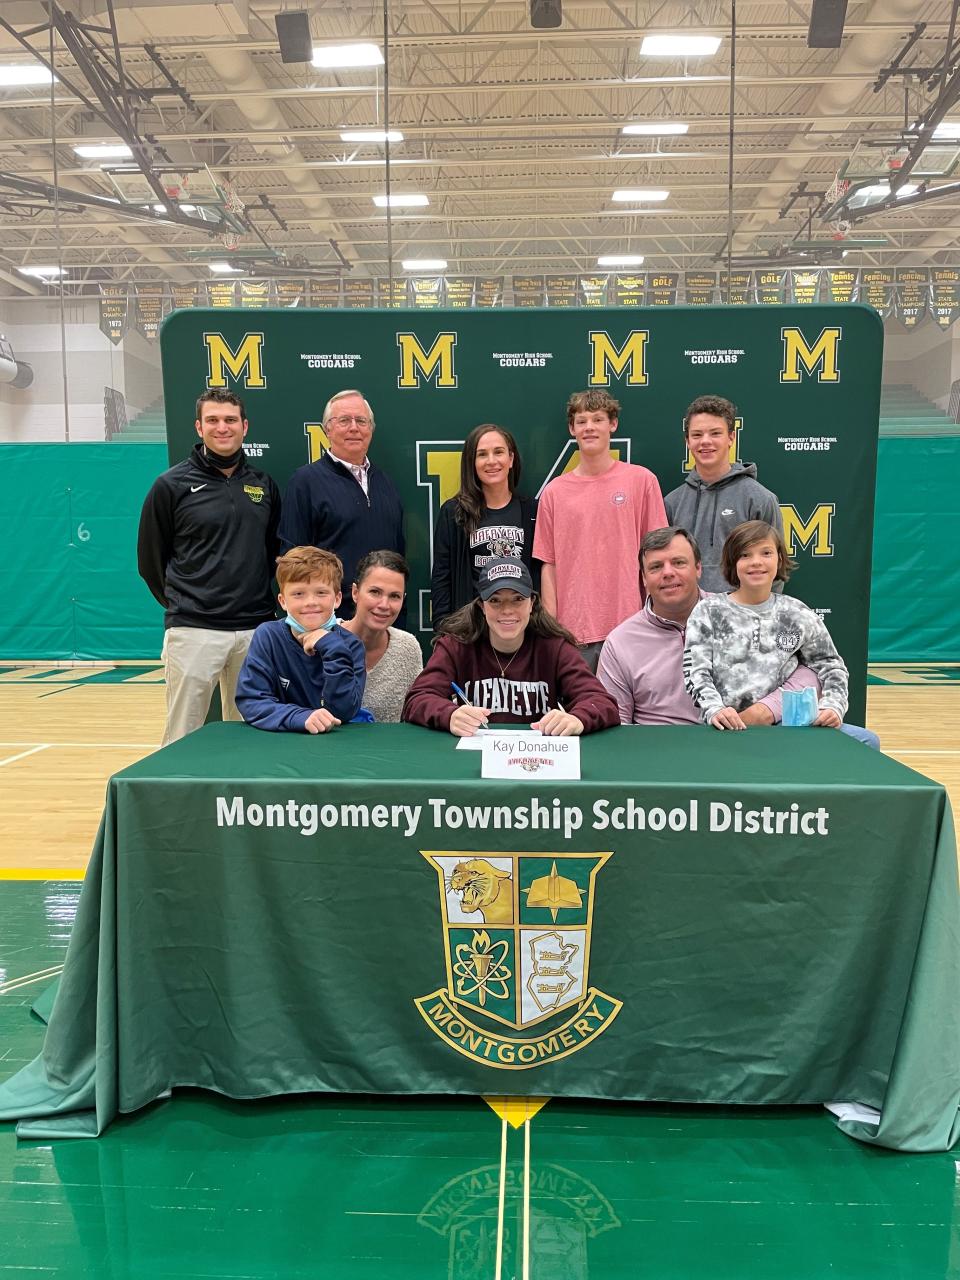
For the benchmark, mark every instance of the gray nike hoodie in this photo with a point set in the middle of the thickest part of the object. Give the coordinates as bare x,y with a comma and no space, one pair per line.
711,511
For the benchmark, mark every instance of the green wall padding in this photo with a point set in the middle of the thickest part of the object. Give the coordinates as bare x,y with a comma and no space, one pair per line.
75,596
915,591
68,526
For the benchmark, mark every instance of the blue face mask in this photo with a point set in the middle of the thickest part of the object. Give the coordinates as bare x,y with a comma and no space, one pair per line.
297,630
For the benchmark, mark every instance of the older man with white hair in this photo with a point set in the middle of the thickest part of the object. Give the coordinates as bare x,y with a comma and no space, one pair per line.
342,502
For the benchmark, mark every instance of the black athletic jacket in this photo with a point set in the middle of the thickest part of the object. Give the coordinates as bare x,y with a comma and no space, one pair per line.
208,544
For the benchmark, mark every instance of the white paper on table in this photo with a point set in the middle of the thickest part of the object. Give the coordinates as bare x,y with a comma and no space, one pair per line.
854,1111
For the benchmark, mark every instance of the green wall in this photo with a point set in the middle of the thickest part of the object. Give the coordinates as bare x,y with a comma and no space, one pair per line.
73,596
915,591
68,526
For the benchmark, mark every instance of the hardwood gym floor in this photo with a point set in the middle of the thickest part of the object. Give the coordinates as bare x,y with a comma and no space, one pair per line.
379,1188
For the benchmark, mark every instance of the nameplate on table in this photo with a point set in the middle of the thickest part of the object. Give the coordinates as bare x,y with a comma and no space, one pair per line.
532,757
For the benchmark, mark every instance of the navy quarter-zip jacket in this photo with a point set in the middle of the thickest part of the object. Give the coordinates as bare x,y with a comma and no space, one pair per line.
324,506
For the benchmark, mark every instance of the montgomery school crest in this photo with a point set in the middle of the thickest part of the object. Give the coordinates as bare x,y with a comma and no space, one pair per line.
516,935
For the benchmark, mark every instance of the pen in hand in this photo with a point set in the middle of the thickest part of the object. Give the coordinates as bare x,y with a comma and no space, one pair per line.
466,701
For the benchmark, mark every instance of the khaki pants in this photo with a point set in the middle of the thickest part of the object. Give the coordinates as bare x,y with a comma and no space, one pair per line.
193,661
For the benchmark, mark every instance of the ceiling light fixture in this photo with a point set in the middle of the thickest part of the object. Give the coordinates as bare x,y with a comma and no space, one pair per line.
620,260
331,57
410,201
656,129
223,268
42,273
632,194
23,73
424,264
371,135
947,130
103,151
679,46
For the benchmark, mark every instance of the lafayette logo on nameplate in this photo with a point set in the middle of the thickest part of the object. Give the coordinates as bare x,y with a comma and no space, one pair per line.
529,755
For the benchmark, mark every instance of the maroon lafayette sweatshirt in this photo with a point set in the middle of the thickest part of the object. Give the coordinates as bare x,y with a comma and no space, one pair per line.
544,672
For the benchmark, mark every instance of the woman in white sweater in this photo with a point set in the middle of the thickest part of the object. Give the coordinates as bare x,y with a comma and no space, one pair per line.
393,658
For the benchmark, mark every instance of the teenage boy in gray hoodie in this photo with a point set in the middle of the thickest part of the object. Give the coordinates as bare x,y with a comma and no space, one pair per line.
717,494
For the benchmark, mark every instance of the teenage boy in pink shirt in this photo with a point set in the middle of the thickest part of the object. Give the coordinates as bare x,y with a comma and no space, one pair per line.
590,524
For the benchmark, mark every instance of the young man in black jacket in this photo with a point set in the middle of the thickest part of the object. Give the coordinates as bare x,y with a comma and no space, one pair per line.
207,547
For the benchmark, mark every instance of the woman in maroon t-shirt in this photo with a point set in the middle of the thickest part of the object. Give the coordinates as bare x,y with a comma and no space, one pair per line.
502,659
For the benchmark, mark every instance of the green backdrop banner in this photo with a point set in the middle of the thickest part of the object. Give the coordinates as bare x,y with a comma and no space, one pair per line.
806,381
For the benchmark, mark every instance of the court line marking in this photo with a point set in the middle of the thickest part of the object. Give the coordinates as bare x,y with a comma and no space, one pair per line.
501,1197
526,1199
29,979
42,873
23,754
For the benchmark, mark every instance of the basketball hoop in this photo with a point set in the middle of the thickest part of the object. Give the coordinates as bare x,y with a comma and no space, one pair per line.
232,206
837,189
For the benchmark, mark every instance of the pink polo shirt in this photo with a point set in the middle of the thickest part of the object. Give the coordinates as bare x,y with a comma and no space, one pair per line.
590,529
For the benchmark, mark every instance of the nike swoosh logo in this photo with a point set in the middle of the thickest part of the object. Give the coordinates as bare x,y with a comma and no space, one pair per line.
194,488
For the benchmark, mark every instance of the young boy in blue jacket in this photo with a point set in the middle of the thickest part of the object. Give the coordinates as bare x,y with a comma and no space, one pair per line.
290,685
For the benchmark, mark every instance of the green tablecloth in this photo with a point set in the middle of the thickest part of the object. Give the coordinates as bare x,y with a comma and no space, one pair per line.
269,913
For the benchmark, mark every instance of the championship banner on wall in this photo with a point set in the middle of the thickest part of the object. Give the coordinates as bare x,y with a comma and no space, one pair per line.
222,293
490,292
357,294
876,289
662,288
150,309
561,291
528,291
842,284
795,373
740,292
185,295
459,291
593,291
325,294
400,297
254,294
700,288
427,292
289,293
912,296
114,311
945,300
628,291
805,286
771,287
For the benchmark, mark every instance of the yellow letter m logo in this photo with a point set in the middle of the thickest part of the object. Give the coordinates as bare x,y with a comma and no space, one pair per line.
607,358
815,534
436,363
245,365
821,358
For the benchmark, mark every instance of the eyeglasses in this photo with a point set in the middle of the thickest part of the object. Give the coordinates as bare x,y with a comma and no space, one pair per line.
344,420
